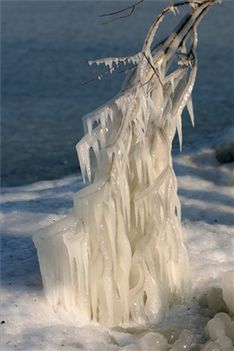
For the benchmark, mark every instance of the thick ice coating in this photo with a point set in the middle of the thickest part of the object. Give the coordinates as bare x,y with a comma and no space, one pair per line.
120,255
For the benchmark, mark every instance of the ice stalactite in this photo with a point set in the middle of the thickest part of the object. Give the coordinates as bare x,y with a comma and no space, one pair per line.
120,255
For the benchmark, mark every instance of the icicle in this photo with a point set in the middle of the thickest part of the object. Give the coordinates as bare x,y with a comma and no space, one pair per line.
179,130
173,9
190,110
109,61
83,154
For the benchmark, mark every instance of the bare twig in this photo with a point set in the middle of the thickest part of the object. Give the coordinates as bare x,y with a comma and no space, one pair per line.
152,31
122,10
130,8
100,76
148,60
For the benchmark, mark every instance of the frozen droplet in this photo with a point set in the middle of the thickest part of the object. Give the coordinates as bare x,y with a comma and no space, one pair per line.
187,335
153,341
215,300
212,346
230,331
228,289
226,319
215,328
184,342
131,347
171,334
225,342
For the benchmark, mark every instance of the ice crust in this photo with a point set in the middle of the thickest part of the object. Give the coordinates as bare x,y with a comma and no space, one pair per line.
119,256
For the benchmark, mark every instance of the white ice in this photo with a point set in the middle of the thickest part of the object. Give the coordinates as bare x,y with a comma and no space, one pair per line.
119,256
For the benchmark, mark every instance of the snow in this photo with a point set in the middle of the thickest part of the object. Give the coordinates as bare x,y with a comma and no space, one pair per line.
207,195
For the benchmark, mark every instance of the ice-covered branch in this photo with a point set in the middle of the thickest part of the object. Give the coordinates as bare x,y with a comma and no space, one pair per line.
120,255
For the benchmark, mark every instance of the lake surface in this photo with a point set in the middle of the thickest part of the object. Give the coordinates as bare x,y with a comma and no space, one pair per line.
45,49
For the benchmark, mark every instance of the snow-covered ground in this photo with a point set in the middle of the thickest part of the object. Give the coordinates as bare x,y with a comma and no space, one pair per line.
29,323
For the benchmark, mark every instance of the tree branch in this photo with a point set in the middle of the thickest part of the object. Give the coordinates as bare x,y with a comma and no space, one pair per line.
131,8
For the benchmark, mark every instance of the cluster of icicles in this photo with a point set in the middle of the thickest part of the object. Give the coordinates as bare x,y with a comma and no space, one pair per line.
120,255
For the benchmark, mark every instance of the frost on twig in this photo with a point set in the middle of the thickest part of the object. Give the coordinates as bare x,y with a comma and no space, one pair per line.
120,255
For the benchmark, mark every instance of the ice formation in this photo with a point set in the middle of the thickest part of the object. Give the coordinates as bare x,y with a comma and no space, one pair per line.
228,289
120,255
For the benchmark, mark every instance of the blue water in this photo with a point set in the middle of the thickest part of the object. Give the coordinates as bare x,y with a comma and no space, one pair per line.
45,49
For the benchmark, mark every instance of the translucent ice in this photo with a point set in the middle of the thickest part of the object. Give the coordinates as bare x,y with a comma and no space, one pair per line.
215,328
215,300
154,342
131,347
225,342
120,254
212,346
228,289
225,318
184,342
230,331
171,334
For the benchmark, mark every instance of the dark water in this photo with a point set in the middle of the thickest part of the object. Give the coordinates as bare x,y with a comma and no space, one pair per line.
45,46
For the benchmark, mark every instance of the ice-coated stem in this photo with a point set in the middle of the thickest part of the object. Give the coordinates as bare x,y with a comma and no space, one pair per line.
120,255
